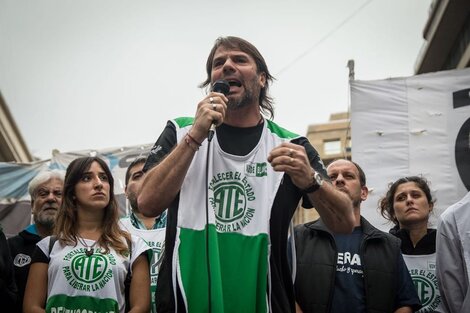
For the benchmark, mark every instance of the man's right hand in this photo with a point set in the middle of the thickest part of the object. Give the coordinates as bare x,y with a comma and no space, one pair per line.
211,110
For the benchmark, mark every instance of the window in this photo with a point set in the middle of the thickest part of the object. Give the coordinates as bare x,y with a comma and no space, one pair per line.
332,147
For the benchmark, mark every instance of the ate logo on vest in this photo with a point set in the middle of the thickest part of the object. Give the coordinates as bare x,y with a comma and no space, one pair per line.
426,286
88,273
157,249
232,194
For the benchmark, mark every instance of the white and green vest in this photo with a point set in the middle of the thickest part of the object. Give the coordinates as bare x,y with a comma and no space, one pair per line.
155,238
241,192
81,283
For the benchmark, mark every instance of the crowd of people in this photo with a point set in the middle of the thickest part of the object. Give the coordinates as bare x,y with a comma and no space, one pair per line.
211,209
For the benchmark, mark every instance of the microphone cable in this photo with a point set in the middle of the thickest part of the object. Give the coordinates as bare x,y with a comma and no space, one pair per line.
208,263
221,86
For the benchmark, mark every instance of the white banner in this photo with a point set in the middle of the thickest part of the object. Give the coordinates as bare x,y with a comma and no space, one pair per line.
417,125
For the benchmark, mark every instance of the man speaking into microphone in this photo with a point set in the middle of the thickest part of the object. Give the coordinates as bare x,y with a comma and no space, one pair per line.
230,199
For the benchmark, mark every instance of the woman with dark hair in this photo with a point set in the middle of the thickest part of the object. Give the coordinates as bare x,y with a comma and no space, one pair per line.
84,266
408,203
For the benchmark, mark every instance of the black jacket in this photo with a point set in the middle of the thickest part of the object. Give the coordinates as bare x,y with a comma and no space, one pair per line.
316,268
21,250
426,245
7,283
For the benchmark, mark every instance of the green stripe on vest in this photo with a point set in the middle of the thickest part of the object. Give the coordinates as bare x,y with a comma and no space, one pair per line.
184,121
281,132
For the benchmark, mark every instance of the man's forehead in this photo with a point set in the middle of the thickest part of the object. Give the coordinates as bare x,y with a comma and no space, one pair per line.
53,182
136,168
223,51
342,165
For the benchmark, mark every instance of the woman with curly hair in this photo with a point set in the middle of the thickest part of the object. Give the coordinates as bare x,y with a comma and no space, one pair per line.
84,266
408,203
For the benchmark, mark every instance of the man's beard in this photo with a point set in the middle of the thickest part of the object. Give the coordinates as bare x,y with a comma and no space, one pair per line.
133,202
356,203
45,221
251,89
246,100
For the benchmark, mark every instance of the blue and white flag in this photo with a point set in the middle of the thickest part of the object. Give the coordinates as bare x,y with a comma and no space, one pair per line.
15,208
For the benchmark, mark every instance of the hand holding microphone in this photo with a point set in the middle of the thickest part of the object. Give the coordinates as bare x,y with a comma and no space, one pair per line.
220,86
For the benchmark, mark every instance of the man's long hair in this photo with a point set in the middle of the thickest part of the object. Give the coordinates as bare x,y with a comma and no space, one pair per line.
265,100
67,217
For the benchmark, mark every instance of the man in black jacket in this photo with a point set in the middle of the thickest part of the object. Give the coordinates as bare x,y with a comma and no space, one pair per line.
359,272
7,283
46,196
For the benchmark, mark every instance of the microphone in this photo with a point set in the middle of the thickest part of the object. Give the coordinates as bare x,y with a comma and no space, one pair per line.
221,86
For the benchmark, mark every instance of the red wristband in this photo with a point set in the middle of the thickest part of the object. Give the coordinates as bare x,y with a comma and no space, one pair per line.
189,142
194,140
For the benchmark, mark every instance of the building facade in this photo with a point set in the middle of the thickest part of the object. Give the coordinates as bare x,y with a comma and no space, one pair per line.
12,146
447,37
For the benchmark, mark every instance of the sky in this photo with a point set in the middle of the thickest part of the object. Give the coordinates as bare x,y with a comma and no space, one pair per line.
90,74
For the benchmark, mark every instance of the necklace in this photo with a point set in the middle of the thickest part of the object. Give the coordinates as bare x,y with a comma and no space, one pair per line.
89,249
